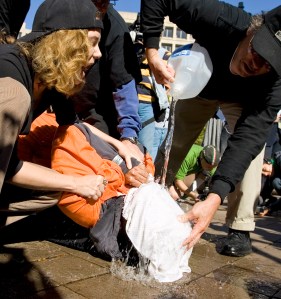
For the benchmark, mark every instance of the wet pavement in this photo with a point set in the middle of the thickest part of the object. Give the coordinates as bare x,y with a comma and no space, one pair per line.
33,268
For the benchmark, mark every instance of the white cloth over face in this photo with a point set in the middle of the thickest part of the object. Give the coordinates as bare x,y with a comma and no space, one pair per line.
155,232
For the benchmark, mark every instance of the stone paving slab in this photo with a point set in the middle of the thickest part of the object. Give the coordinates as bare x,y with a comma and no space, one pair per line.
41,269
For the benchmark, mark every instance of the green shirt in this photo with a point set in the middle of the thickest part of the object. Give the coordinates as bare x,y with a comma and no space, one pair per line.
191,163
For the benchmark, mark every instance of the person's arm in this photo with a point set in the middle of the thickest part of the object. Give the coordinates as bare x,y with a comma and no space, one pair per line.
246,142
163,73
267,169
124,72
136,175
121,148
126,103
152,21
185,189
38,177
196,17
201,19
201,216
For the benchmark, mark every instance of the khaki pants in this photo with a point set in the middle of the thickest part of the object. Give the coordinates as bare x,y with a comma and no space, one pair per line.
190,118
17,203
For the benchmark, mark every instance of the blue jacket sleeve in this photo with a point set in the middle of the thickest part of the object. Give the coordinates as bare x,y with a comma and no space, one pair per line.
126,103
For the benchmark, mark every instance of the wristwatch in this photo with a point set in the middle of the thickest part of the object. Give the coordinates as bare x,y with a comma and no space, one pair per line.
133,140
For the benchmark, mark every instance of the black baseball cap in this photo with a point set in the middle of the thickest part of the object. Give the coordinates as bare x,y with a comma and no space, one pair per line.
267,40
53,15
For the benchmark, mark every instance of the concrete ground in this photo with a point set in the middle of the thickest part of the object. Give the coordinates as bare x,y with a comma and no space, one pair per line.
31,268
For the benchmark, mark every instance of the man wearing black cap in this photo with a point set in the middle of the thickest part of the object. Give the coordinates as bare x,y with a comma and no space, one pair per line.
246,84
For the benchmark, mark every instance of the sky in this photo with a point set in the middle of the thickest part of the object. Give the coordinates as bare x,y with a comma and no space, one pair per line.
252,6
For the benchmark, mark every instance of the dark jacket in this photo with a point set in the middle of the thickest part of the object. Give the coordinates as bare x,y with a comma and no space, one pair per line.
219,27
12,15
109,99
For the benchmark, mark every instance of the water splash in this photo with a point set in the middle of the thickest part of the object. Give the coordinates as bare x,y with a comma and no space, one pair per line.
139,272
168,143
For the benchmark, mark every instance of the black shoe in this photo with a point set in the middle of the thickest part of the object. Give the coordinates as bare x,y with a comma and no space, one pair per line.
237,243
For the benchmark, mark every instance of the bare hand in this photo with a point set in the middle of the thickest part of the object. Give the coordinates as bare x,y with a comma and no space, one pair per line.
267,169
164,74
136,176
201,215
134,151
90,187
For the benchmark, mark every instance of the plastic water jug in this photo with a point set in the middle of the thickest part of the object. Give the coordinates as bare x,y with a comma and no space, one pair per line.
193,69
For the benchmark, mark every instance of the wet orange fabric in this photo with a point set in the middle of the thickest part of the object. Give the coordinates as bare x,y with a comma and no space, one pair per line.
72,154
37,145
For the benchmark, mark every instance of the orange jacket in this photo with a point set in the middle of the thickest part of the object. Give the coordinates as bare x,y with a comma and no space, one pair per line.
72,154
36,147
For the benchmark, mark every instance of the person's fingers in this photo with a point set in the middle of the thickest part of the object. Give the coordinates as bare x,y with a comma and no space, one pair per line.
135,182
139,173
100,181
92,199
101,188
188,216
167,80
194,236
189,243
128,162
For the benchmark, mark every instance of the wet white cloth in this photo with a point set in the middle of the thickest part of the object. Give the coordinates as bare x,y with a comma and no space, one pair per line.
155,232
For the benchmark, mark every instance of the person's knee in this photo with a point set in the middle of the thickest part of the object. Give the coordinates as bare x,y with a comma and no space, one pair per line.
276,184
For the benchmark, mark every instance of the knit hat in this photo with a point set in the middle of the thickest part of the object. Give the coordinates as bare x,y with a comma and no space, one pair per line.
267,40
53,15
211,155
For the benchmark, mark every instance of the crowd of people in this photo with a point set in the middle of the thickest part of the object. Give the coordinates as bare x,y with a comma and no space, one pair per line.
99,109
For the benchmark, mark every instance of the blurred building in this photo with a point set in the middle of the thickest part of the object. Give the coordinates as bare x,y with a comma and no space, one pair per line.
23,30
172,36
171,39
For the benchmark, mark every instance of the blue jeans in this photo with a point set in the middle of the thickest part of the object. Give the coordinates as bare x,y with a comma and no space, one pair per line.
146,135
276,184
159,136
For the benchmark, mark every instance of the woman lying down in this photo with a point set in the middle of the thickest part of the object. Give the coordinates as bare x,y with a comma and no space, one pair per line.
148,212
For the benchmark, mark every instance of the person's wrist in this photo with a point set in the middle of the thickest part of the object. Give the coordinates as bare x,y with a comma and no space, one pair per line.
151,52
213,199
133,140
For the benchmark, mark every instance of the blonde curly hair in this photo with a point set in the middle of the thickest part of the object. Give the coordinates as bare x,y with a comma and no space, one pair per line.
60,58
